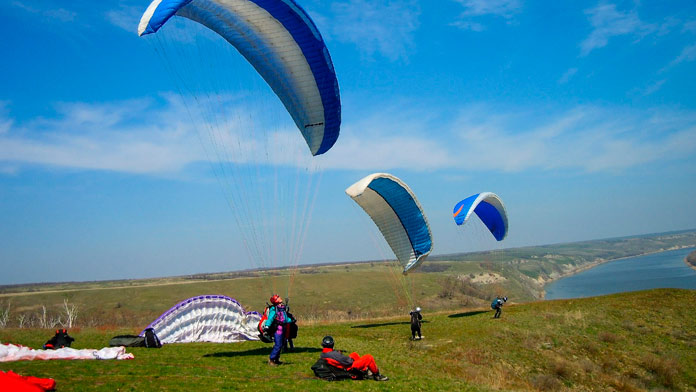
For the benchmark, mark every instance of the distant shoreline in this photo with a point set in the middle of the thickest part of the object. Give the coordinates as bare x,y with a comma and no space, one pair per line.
692,256
593,264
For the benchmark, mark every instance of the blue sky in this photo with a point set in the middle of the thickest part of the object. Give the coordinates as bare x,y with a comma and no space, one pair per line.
581,116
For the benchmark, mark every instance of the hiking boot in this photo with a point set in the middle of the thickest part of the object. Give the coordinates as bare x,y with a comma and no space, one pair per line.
274,362
380,377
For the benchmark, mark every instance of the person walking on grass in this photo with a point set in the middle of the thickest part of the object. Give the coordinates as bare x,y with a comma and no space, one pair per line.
497,305
416,318
274,326
335,358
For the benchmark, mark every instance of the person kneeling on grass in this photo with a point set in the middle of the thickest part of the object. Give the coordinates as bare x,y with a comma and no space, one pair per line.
365,363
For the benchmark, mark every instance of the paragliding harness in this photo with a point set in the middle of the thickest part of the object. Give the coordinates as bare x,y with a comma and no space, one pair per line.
149,340
323,370
498,302
290,332
59,340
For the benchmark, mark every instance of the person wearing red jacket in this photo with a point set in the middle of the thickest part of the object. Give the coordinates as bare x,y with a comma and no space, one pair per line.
336,358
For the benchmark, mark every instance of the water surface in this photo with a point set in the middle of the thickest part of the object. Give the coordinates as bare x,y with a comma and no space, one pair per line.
658,270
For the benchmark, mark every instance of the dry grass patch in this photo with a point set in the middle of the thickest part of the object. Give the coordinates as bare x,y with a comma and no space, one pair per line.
591,347
608,337
665,370
545,382
626,384
477,356
563,368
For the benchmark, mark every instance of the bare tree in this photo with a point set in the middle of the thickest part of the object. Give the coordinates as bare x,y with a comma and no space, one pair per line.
5,315
43,318
55,321
70,313
21,319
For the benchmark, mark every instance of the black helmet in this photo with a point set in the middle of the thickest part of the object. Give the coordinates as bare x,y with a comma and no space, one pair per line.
327,342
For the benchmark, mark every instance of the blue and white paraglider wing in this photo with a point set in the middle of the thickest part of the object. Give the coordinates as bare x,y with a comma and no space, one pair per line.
206,318
397,213
489,208
282,43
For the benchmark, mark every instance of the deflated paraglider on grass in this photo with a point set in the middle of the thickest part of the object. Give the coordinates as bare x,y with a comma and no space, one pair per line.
206,318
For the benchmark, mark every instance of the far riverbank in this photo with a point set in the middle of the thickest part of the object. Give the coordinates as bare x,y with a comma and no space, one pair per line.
653,270
690,260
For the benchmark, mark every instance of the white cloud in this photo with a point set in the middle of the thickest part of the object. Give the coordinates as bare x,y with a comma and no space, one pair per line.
142,136
688,54
376,27
57,14
689,26
485,138
607,22
654,87
478,8
567,75
503,8
125,17
101,137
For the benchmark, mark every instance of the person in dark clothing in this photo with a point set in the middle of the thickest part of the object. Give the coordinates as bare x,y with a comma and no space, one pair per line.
497,304
60,340
416,318
352,362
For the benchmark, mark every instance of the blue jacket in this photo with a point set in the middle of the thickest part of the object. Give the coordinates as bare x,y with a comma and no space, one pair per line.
278,314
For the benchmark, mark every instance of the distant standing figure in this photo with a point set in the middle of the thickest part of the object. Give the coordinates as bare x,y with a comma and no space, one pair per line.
497,304
416,318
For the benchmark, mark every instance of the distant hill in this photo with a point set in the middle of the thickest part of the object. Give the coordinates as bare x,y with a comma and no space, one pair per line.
347,291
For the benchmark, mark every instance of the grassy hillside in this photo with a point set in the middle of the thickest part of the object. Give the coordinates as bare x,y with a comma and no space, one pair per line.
330,292
625,342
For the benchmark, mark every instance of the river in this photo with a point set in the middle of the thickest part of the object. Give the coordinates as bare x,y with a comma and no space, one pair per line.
657,270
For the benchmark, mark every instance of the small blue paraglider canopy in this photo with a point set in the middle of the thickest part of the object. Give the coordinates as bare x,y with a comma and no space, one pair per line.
489,208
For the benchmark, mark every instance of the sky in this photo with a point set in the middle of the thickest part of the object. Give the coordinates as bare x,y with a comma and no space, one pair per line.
581,116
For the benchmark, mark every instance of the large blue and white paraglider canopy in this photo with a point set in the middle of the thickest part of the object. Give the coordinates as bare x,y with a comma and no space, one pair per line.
489,208
397,213
282,43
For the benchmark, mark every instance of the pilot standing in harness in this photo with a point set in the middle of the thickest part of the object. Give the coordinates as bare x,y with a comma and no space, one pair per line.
275,325
497,304
416,318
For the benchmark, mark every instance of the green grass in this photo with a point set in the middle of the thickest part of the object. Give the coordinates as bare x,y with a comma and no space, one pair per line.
630,341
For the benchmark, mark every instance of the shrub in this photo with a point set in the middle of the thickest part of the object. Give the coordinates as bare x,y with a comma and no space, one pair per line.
607,337
665,370
562,368
545,382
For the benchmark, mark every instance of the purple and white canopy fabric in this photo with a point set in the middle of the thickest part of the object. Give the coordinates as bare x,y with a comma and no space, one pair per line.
206,318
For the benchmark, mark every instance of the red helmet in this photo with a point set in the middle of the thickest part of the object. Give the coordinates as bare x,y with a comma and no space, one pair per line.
275,299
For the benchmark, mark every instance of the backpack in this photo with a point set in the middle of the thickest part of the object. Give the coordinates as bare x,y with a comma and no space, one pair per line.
151,340
59,340
323,370
263,335
127,341
494,304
